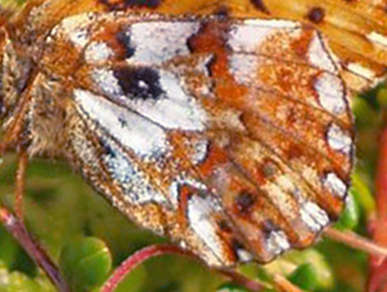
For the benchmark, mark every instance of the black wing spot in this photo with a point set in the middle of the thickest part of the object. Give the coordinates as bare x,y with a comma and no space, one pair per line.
260,6
244,202
121,5
123,38
107,149
139,82
223,13
316,15
142,3
268,226
225,226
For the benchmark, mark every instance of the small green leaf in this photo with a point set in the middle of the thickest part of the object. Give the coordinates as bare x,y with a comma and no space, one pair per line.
85,263
350,217
304,276
323,274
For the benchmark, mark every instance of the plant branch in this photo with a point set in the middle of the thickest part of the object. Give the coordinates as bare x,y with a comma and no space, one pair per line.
20,184
157,250
18,231
378,266
283,285
356,241
242,280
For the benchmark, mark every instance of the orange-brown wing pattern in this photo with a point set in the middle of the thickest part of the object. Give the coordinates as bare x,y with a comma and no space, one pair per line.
232,137
356,30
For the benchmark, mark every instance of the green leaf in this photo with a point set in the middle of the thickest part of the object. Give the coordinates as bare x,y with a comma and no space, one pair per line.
304,276
323,274
350,217
85,263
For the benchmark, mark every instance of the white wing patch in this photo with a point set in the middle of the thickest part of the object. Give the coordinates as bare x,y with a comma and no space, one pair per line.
199,215
248,35
174,109
77,28
107,82
377,38
97,52
277,242
131,130
244,68
136,186
313,216
339,140
331,93
158,41
318,55
335,184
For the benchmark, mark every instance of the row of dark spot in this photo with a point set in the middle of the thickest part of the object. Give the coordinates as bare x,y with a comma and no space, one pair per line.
315,14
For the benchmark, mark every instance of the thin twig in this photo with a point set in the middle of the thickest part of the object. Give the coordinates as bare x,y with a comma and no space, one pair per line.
16,228
135,260
242,280
20,184
356,241
283,285
157,250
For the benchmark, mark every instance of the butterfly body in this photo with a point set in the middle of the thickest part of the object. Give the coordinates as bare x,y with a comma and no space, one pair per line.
231,135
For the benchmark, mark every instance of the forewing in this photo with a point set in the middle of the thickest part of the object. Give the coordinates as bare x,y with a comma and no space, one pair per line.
356,30
232,137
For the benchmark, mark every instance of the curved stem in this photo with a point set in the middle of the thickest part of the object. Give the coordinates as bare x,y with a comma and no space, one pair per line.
242,280
135,260
18,231
157,250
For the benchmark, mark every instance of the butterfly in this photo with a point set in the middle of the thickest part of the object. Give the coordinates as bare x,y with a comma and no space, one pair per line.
223,125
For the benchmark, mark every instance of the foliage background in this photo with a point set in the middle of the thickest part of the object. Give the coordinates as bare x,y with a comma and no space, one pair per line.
91,238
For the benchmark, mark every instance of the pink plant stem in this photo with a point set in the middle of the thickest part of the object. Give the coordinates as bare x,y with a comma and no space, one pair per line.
18,231
20,185
157,250
135,260
378,266
242,280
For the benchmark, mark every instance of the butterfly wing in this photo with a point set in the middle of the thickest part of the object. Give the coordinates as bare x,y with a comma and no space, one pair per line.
231,137
356,30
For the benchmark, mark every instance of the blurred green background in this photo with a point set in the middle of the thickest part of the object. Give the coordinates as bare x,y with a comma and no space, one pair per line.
89,238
